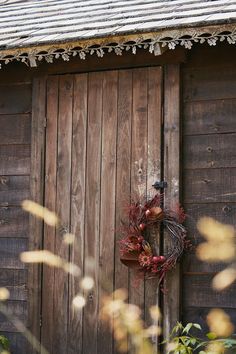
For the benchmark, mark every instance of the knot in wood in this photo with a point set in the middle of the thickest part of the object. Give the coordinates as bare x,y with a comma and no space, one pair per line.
226,209
4,180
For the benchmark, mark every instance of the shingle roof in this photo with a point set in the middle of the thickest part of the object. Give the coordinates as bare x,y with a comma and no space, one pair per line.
34,22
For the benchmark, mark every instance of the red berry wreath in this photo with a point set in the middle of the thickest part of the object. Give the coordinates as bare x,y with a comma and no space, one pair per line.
135,250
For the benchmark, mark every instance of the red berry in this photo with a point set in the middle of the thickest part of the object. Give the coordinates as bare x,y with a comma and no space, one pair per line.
148,212
162,258
142,226
155,259
140,239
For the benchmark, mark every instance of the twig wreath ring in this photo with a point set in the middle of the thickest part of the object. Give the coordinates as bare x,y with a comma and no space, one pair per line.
136,250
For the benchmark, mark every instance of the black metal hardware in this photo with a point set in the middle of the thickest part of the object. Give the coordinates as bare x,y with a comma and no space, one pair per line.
160,185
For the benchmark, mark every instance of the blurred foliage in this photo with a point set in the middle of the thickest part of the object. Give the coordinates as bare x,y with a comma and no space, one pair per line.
4,345
183,340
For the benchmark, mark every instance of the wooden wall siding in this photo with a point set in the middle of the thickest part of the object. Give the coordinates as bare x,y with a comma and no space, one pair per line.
15,150
209,176
171,300
103,134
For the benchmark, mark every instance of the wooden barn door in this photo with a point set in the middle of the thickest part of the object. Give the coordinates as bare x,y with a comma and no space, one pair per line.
103,140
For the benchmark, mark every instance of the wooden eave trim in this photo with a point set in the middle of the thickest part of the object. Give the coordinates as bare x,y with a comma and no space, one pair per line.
155,42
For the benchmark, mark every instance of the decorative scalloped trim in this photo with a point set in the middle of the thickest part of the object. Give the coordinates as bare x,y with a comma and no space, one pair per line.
152,42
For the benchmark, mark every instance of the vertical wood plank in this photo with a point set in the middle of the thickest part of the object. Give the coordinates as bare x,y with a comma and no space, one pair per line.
153,174
138,160
124,118
50,202
108,188
63,210
92,207
36,187
79,135
171,301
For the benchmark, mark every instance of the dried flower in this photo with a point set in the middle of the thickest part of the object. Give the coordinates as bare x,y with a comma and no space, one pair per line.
145,259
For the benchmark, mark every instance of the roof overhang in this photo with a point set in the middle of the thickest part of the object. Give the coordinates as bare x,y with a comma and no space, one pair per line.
155,42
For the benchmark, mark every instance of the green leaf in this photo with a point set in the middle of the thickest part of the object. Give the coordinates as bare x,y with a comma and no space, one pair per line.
193,341
196,325
188,327
211,335
202,352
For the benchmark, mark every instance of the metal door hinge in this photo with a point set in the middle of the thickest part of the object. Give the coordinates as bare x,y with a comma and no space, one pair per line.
160,185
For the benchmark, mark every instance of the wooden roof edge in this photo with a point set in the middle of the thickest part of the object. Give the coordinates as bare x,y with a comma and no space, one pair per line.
156,42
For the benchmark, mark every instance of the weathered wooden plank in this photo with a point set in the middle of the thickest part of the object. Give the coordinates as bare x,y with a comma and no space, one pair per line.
36,189
13,190
15,98
153,173
63,210
15,281
209,151
15,129
10,276
48,324
108,188
209,117
10,251
222,212
139,155
14,222
19,310
192,265
92,206
171,300
198,292
79,135
210,186
124,118
207,83
14,160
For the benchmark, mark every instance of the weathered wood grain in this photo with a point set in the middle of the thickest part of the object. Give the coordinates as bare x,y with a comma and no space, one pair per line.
171,300
15,98
14,222
222,212
19,310
79,134
209,186
207,83
48,293
198,292
124,117
153,174
192,265
209,151
108,188
139,156
10,252
21,134
36,191
92,207
63,189
14,160
209,117
15,281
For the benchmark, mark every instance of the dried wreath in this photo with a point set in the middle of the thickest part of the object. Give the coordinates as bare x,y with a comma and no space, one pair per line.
135,250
